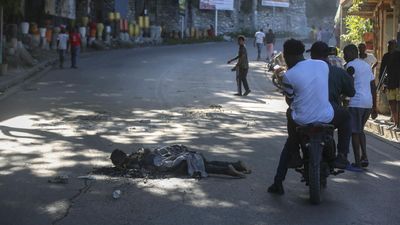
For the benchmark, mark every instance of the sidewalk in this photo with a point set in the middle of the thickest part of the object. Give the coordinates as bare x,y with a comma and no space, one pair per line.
18,76
381,127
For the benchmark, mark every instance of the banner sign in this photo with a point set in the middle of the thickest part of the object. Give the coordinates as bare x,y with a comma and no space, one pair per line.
276,3
182,7
217,4
65,8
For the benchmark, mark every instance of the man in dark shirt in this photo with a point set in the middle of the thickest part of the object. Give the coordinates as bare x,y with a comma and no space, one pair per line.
340,84
241,68
390,65
270,42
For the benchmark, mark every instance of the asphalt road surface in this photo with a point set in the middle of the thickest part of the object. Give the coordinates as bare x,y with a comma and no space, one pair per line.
69,121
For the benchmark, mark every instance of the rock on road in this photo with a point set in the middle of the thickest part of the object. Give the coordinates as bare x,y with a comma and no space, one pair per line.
69,121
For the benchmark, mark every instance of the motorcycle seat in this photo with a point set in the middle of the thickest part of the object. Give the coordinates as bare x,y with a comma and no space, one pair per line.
315,128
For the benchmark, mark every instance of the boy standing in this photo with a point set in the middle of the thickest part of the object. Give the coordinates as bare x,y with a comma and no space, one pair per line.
241,68
75,39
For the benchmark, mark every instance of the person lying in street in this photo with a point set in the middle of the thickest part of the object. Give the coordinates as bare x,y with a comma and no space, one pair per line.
177,159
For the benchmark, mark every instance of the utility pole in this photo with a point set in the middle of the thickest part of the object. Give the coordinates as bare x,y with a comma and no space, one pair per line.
1,35
254,14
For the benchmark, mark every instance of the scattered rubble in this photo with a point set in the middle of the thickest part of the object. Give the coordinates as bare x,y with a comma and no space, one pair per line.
116,194
63,179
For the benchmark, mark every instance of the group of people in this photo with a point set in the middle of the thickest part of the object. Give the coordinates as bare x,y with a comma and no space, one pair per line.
315,89
68,42
262,39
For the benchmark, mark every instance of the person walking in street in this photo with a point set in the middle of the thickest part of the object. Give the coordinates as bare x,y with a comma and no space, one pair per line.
326,36
367,57
62,45
363,104
390,66
241,68
259,42
270,42
75,43
319,34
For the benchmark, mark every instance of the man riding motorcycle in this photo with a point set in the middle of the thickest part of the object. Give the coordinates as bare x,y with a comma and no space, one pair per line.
307,91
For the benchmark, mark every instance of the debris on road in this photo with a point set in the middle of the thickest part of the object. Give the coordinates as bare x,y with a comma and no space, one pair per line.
87,177
213,106
63,179
116,194
143,121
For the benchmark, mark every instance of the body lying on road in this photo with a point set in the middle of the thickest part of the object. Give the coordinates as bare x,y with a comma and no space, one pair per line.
177,159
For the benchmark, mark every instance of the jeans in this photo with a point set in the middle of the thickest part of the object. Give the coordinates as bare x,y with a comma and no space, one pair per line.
61,53
259,49
341,121
241,77
74,55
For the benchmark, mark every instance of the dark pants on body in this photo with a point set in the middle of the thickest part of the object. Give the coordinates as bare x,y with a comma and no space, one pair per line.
74,55
341,121
241,77
213,167
61,53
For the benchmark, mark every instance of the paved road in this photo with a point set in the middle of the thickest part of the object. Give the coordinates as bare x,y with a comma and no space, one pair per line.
70,120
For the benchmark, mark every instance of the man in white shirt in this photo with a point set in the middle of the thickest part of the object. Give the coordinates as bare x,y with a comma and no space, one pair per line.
307,84
363,104
62,45
367,57
259,42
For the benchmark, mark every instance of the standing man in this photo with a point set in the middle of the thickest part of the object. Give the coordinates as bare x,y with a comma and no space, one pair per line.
367,57
270,42
241,68
362,105
390,65
62,45
259,42
75,42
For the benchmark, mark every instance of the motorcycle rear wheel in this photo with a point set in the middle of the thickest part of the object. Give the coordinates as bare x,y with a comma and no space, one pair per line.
314,183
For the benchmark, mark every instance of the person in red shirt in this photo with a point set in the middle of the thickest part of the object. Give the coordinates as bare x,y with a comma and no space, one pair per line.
75,43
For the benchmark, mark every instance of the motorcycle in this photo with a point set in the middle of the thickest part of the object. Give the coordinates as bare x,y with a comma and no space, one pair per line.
318,146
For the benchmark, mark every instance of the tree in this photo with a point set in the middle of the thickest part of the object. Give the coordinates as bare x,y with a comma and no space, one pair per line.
356,26
12,9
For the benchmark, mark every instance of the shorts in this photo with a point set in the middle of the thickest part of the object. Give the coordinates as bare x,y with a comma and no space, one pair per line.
393,94
359,117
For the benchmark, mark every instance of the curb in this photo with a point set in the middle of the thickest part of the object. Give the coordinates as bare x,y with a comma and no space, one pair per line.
15,80
382,131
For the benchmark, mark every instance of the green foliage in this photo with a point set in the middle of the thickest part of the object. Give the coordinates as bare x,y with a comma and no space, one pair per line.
356,25
11,8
